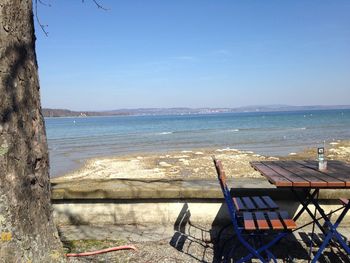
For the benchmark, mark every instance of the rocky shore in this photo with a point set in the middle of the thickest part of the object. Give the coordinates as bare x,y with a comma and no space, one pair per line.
191,164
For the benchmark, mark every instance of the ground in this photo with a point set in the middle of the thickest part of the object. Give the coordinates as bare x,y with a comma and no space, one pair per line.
195,245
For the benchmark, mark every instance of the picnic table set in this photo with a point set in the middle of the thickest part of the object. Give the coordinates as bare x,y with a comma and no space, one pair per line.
256,217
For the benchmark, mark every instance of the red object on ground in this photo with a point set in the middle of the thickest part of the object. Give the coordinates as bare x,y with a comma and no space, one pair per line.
84,254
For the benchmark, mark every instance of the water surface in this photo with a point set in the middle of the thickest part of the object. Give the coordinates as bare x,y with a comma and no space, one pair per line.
73,140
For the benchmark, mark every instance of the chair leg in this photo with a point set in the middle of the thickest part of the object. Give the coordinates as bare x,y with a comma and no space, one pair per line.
333,233
270,256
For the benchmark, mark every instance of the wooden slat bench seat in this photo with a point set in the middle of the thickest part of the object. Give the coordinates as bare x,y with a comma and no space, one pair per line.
249,223
287,221
275,220
254,203
262,220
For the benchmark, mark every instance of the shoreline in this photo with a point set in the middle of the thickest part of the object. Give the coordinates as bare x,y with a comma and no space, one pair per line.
190,164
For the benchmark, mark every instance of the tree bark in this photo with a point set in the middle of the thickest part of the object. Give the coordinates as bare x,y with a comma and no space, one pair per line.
27,231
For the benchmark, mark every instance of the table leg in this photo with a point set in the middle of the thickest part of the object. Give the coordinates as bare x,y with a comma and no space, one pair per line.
309,199
332,228
313,227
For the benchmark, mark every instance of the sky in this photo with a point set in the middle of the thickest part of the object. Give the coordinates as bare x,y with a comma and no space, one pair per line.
193,53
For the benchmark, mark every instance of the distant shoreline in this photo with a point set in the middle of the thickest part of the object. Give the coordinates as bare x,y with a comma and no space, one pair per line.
54,113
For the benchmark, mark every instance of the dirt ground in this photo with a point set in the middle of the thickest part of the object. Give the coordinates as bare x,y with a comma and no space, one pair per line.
196,245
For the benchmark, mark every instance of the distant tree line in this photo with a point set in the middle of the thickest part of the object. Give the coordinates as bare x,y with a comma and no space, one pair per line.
69,113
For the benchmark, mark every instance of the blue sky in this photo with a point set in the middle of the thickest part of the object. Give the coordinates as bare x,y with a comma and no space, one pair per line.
201,53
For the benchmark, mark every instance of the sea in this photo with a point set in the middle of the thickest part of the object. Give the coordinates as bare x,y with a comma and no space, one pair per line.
72,141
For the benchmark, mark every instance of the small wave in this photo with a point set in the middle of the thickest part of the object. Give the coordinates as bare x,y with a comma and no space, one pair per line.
165,133
234,130
301,128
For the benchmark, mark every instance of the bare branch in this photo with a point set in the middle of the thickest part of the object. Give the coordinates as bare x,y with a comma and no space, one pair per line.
43,3
37,17
42,26
98,5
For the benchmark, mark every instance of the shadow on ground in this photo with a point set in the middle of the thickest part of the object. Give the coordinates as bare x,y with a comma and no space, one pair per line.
218,243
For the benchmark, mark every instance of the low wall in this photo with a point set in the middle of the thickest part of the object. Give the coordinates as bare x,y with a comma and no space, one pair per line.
165,202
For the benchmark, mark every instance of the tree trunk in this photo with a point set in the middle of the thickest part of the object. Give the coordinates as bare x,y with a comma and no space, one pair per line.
27,231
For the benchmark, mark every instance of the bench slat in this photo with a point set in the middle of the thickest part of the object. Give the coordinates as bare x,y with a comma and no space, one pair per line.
261,221
270,202
288,222
274,220
239,204
259,202
248,221
249,203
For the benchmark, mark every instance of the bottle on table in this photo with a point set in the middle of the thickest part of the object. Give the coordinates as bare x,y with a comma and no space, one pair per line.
322,163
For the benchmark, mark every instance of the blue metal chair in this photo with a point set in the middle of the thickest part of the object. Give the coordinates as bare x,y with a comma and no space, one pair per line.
253,219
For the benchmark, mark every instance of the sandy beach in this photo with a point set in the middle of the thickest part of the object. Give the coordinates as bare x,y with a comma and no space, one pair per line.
191,164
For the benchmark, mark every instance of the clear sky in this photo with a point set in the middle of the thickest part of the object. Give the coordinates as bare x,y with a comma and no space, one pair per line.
193,53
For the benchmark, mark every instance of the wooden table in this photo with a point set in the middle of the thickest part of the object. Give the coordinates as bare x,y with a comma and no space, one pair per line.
306,176
303,174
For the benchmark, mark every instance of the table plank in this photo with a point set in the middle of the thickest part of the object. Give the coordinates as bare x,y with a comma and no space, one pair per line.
313,170
335,169
296,180
344,164
274,177
305,174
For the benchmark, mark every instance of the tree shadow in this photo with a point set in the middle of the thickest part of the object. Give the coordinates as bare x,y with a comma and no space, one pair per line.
218,243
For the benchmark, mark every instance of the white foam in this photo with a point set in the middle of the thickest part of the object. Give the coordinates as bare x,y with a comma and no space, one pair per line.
165,133
227,149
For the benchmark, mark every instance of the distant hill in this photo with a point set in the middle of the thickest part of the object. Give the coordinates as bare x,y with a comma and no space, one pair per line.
69,113
184,111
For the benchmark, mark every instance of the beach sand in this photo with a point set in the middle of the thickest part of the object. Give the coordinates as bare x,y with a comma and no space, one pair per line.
191,164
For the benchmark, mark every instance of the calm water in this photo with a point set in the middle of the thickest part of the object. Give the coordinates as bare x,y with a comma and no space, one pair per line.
73,140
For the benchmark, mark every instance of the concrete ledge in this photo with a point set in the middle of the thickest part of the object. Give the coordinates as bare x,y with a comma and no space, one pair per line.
133,189
163,202
148,188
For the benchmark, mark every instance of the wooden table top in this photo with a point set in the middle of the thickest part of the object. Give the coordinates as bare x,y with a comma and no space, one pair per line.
305,174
